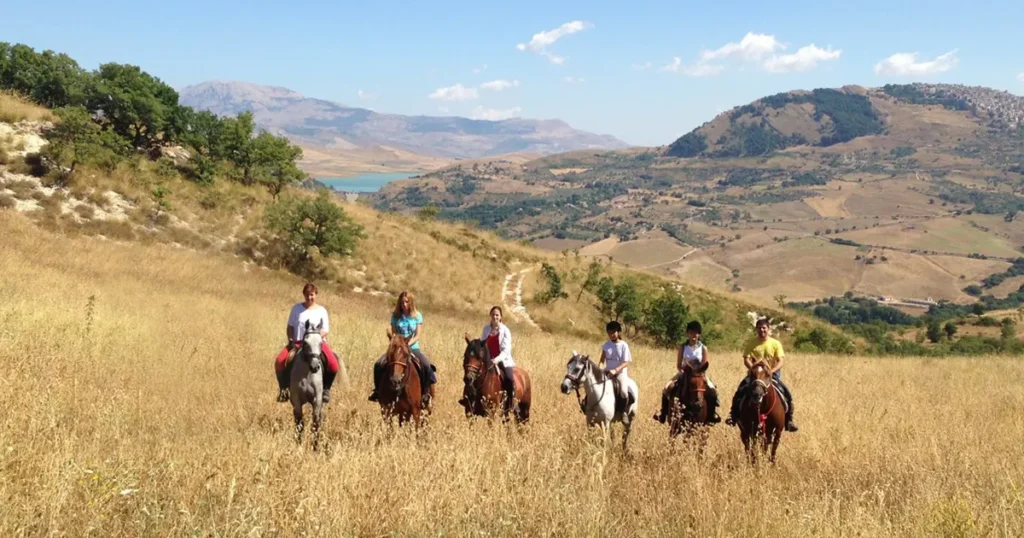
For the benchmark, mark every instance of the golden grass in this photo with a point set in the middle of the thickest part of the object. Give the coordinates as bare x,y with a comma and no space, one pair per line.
14,108
147,410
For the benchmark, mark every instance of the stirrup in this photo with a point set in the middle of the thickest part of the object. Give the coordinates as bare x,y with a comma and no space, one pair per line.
791,427
284,395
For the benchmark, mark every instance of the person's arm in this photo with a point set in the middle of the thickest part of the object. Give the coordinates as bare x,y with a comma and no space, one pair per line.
601,360
779,359
504,345
416,335
679,359
627,357
327,324
705,357
291,332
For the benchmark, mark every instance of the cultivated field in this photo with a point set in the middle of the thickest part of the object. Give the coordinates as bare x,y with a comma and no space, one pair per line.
138,401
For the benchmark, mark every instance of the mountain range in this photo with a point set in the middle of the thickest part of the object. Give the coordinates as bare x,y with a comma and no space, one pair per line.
331,129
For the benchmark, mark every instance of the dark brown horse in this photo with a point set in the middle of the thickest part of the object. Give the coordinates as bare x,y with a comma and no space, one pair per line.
762,415
484,393
401,393
689,411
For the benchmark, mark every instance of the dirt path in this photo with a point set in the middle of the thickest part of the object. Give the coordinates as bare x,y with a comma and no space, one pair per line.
677,260
512,296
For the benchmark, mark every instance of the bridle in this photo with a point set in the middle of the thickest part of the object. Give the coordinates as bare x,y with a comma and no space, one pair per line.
406,364
576,380
762,417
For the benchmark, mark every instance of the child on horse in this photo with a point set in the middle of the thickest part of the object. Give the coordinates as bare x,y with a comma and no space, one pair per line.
407,322
693,353
616,357
763,348
310,311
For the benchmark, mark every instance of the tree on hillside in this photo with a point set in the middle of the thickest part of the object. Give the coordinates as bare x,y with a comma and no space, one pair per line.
50,79
555,290
77,140
934,332
310,226
666,318
274,159
1008,331
593,279
950,329
780,300
235,145
137,105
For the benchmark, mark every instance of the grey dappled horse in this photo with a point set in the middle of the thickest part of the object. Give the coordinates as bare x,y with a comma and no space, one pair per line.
307,383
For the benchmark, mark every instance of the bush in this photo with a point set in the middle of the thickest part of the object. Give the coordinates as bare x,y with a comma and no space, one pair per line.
554,290
666,319
312,227
7,201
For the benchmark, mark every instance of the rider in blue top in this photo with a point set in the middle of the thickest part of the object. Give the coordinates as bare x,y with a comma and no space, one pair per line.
407,322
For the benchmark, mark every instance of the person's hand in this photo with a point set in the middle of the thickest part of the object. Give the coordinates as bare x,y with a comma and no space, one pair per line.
609,372
323,333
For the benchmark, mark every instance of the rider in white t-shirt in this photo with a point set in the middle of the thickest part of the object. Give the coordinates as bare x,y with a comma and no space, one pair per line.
616,357
315,314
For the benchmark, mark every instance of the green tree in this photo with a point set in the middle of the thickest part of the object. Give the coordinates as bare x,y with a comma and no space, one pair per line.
1008,331
274,162
318,224
934,332
76,140
666,319
428,213
593,279
137,105
780,300
950,329
555,289
235,145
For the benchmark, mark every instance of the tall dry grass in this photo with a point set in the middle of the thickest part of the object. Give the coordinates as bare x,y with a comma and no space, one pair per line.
137,400
14,108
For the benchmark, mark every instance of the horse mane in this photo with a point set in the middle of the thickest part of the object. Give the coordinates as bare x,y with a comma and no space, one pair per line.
598,372
398,344
479,348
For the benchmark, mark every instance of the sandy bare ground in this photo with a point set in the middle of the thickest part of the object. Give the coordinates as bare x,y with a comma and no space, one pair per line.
512,296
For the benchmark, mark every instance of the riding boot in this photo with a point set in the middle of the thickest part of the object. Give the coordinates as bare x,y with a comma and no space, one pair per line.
734,411
283,394
663,415
790,425
328,381
378,373
712,402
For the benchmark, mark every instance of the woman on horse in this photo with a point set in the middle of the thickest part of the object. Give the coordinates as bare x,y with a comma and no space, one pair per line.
498,339
693,354
307,310
763,348
407,322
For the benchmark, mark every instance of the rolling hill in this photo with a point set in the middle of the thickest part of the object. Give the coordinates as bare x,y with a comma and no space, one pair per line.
413,141
905,191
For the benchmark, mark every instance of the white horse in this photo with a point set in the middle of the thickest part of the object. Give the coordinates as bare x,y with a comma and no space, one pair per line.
599,403
307,382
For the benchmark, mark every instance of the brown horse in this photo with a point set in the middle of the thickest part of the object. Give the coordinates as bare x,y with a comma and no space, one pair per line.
401,393
483,391
762,415
689,411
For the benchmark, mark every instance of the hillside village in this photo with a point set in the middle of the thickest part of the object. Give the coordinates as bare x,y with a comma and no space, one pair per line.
1001,107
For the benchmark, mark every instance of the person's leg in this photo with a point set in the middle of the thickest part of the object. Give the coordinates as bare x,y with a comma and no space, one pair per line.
378,376
711,399
509,384
790,425
734,411
428,375
330,372
282,368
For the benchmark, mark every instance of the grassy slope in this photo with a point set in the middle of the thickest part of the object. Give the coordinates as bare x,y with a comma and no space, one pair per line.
155,417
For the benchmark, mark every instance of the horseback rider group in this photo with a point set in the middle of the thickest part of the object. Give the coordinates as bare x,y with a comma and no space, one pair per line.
407,322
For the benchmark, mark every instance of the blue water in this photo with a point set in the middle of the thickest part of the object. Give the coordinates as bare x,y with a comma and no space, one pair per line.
363,182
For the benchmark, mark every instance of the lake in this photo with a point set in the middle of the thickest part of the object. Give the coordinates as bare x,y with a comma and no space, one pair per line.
364,182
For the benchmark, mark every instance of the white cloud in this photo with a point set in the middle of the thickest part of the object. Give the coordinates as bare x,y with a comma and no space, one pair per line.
1020,77
752,47
366,96
699,69
481,69
643,67
499,85
481,113
574,80
905,64
457,92
542,40
804,59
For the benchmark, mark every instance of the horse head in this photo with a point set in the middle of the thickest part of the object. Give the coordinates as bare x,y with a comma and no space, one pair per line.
475,360
762,377
399,361
576,370
695,385
312,346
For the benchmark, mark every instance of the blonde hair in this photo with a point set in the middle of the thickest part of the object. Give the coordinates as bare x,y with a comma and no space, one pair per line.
398,313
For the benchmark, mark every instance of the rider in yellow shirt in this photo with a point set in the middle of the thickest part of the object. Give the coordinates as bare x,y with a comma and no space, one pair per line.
763,348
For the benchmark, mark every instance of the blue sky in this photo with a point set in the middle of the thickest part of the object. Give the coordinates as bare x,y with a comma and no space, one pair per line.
607,67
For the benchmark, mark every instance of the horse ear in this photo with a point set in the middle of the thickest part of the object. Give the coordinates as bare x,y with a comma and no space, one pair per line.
575,353
307,325
466,336
388,332
320,325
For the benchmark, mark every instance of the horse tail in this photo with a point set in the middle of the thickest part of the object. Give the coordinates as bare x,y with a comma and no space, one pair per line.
342,378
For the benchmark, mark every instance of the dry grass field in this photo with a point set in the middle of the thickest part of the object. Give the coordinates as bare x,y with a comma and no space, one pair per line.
14,108
138,402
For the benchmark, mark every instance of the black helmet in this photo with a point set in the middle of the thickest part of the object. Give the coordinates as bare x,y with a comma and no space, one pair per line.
694,326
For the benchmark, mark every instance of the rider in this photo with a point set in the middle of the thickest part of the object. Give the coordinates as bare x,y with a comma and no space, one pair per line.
315,314
616,357
763,348
407,322
693,353
498,339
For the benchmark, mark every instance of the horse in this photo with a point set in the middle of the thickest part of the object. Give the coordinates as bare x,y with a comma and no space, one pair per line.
599,405
484,391
402,393
762,416
307,382
688,411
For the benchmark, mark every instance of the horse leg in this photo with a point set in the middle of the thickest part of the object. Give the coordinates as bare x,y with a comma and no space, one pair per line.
627,426
297,413
523,414
775,445
318,415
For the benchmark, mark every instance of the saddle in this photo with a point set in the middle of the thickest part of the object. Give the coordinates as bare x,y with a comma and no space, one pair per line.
778,391
622,404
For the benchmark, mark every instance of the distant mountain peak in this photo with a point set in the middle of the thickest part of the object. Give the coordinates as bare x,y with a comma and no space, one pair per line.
321,123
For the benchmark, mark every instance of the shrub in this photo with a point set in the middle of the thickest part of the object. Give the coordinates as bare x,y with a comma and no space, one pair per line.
666,318
7,201
308,225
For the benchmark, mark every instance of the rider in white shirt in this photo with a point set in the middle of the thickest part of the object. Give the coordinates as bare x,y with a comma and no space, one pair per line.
616,357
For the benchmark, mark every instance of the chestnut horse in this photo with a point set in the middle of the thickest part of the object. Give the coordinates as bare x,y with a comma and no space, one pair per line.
689,411
401,393
762,415
484,392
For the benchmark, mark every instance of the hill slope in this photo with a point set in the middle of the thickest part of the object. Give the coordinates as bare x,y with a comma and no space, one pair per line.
323,124
903,191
